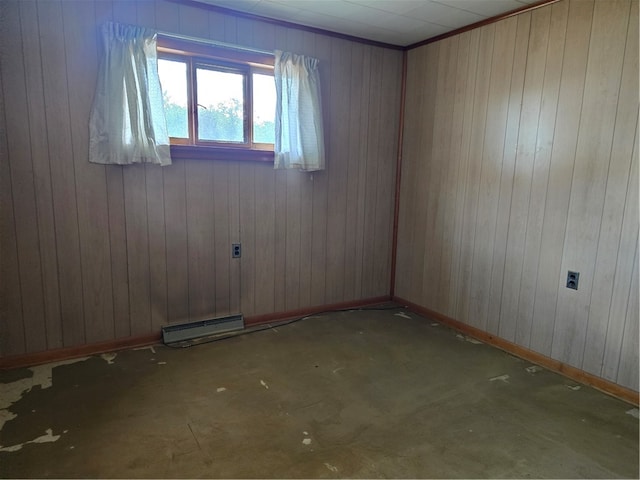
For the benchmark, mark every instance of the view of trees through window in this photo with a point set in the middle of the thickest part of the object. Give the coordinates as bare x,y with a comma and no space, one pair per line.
220,103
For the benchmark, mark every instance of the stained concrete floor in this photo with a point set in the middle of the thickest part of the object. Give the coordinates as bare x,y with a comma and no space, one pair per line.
359,394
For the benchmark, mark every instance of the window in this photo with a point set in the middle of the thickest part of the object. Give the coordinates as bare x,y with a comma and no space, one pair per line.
219,103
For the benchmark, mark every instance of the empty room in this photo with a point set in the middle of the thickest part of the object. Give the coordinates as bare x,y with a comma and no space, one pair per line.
319,239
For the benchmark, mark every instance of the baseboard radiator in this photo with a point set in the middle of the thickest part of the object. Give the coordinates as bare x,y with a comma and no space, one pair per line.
203,328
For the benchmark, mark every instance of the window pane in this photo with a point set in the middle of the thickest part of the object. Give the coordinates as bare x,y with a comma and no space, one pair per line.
220,105
173,77
264,108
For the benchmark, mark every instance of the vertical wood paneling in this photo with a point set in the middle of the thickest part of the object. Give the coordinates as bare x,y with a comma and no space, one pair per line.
562,165
354,162
169,18
135,209
449,258
117,228
200,240
556,188
444,229
41,172
507,171
337,169
360,180
445,106
93,216
621,181
469,45
264,36
371,176
247,200
56,96
428,56
222,241
11,321
307,47
387,149
265,239
320,183
623,280
593,152
146,15
492,162
22,185
510,328
628,366
540,173
484,42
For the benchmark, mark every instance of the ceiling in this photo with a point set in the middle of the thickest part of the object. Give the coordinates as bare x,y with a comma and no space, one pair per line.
396,22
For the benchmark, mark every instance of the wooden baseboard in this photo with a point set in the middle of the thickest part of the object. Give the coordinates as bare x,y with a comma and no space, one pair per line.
623,393
58,354
279,316
38,358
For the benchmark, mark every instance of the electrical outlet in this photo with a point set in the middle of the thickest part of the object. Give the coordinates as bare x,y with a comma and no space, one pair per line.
572,279
236,250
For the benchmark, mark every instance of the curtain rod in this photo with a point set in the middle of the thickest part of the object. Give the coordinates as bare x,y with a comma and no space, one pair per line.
214,43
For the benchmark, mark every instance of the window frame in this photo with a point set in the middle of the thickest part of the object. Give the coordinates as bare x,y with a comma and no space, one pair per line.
217,58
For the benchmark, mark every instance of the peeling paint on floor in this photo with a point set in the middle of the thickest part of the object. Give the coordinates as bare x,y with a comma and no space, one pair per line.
402,314
109,357
534,369
573,387
306,441
48,437
634,412
11,392
331,467
150,347
264,384
502,378
466,338
434,324
221,389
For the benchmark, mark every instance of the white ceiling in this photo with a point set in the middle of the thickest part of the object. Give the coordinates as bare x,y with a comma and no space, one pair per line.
397,22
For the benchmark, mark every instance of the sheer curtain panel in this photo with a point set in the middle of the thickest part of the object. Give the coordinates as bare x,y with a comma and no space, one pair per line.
127,123
299,130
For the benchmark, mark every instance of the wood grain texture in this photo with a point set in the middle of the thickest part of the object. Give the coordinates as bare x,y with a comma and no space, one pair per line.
593,154
539,177
65,199
101,253
41,174
22,187
11,324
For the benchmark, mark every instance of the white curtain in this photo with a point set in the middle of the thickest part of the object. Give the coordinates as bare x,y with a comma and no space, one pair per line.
299,129
127,123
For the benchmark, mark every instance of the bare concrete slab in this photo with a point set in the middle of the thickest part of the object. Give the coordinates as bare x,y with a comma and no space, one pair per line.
358,394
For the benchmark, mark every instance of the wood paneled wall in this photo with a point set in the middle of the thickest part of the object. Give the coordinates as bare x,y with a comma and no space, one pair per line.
520,163
90,253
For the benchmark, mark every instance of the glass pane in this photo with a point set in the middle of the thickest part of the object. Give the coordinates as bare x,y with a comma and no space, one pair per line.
264,108
220,105
173,78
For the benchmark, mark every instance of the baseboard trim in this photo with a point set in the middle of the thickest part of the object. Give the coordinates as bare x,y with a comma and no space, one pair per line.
66,353
302,312
58,354
618,391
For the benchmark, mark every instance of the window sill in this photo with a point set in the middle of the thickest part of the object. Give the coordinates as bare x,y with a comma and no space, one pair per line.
198,152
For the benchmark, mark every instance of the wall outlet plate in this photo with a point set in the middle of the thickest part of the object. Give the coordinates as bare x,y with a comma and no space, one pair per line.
572,279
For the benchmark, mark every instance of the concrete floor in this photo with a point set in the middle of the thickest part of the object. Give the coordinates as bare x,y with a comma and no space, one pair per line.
359,394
